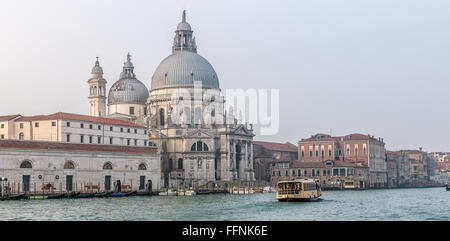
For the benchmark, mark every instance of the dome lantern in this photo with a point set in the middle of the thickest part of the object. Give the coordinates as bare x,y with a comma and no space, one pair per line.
183,40
184,66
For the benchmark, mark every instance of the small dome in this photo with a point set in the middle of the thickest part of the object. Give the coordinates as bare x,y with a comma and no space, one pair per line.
97,69
184,26
128,91
181,69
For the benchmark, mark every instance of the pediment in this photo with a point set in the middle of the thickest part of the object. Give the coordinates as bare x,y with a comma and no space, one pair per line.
242,130
198,134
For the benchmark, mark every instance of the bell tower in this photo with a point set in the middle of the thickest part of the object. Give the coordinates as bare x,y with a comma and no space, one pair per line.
97,92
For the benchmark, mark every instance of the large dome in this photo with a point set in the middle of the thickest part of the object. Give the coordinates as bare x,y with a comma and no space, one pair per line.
181,69
128,89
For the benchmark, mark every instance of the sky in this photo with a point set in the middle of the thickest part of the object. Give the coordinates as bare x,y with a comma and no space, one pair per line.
355,66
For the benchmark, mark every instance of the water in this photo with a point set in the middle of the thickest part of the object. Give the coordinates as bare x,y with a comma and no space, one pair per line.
393,204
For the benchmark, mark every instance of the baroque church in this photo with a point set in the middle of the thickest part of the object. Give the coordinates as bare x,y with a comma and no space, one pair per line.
199,142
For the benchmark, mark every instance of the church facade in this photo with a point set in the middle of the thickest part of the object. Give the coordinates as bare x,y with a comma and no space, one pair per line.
184,113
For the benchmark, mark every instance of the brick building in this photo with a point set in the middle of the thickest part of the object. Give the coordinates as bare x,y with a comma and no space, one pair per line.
330,173
364,150
268,154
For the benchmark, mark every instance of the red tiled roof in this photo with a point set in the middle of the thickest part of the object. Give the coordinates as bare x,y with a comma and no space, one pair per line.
262,155
275,146
302,164
69,116
326,137
319,164
8,117
282,159
75,147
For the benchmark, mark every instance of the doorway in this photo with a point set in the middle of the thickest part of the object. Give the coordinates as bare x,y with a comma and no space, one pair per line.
26,183
107,183
69,183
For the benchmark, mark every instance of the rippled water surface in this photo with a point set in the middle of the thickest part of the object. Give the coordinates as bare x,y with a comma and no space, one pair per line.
393,204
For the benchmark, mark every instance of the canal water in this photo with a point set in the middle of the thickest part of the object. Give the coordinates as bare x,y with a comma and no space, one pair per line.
387,204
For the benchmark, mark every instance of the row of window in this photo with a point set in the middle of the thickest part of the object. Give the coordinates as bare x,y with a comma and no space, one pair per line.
91,126
339,153
298,172
71,165
180,163
199,146
99,140
314,172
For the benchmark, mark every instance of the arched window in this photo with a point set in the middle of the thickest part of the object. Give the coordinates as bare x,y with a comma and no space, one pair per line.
161,117
199,146
142,166
170,164
69,165
180,163
26,164
107,166
21,136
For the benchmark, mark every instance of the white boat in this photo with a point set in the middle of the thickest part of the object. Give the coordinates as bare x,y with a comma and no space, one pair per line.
169,192
298,190
186,193
236,190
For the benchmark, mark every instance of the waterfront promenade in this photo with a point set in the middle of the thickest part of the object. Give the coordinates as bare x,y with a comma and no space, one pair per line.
419,204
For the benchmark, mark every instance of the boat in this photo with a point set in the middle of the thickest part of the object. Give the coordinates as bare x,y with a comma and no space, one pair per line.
203,192
56,196
38,197
268,189
447,187
186,193
298,190
71,195
17,197
86,195
102,194
169,192
350,184
122,194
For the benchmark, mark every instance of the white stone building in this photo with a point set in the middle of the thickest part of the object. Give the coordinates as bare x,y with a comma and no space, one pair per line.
33,165
73,128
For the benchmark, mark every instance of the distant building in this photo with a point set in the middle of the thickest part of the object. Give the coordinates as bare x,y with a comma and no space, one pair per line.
422,167
355,148
398,169
267,154
330,173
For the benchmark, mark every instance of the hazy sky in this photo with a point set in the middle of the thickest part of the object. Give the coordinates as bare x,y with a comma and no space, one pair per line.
380,67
